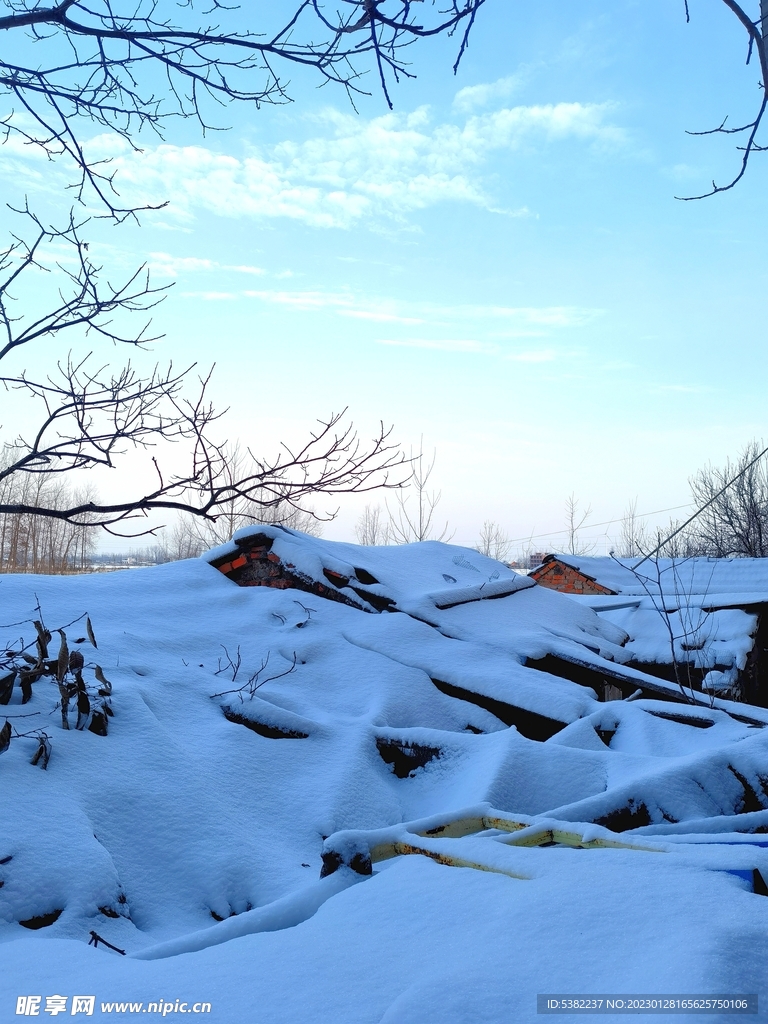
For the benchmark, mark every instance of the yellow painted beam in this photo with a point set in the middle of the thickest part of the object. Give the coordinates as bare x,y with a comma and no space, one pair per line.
454,862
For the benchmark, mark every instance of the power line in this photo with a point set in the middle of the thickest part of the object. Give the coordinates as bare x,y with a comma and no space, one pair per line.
594,526
706,504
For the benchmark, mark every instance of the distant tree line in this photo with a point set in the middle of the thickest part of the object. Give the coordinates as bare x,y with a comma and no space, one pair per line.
43,544
731,521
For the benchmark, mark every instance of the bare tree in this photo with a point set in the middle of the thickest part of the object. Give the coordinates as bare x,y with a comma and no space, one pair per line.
734,504
413,520
634,539
494,542
575,519
372,527
99,63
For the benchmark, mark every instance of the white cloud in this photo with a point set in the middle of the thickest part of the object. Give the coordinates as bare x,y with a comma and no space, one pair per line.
303,300
172,266
354,170
536,316
685,389
368,314
495,324
534,356
473,96
211,296
506,321
440,345
241,268
685,173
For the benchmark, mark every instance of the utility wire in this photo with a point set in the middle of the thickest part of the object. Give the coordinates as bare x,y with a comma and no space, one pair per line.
608,522
706,504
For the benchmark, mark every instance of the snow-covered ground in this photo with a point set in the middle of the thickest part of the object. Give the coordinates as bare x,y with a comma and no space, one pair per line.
257,731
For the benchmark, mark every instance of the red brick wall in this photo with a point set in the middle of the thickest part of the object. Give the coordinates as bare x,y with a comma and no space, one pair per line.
559,576
257,566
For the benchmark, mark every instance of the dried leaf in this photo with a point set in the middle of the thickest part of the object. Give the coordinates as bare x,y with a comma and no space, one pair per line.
6,686
106,686
89,631
98,723
25,679
62,663
43,639
5,737
83,704
76,661
43,753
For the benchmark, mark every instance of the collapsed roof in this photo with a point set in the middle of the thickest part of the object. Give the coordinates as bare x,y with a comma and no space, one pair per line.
264,732
701,615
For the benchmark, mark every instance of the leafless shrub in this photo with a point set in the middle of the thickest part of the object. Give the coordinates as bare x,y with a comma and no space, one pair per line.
635,539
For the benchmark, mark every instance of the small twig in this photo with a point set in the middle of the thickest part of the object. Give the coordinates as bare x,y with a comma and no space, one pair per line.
307,611
95,939
254,682
231,666
280,675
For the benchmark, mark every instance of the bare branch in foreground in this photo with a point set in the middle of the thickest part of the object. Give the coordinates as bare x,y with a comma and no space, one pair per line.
90,415
758,43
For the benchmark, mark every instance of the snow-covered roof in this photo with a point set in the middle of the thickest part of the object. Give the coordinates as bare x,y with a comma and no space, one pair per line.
720,582
416,578
259,734
713,641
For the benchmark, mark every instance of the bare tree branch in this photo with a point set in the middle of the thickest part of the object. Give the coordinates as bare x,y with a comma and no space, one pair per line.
129,68
758,42
80,299
91,414
97,63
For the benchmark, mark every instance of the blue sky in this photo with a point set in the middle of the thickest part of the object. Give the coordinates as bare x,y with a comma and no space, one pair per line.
499,265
